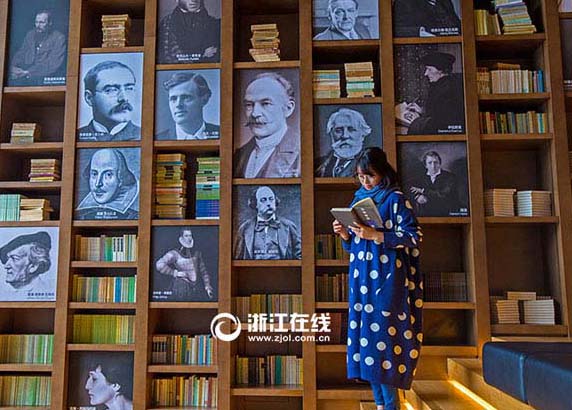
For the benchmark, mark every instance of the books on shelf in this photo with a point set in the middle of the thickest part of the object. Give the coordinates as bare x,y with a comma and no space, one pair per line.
103,329
35,209
266,303
207,188
115,29
486,23
197,350
44,170
326,83
530,122
514,16
270,370
539,312
534,203
506,78
24,133
499,202
332,287
29,349
265,42
196,391
105,248
170,186
507,312
10,207
329,246
445,287
25,391
518,307
110,289
359,79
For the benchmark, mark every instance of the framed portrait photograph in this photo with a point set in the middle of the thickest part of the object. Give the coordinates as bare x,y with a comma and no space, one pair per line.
188,31
38,43
110,89
341,133
267,118
29,259
566,38
345,20
187,105
429,91
100,380
426,18
266,222
107,183
434,177
185,264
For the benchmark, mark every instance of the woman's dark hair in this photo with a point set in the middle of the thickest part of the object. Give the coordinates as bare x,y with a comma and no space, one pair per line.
118,370
374,159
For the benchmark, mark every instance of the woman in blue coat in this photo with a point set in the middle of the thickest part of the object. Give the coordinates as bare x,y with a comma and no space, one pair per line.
386,285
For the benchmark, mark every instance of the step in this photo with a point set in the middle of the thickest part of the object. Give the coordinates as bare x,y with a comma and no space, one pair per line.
439,395
469,372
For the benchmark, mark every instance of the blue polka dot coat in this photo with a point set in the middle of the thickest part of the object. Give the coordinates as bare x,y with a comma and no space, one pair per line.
385,299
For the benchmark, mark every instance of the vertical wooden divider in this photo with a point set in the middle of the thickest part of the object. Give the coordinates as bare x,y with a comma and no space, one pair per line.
4,7
387,81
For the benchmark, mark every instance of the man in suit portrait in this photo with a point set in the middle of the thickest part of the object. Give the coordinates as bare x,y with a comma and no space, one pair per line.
343,15
347,130
425,18
110,92
188,94
267,236
113,188
274,149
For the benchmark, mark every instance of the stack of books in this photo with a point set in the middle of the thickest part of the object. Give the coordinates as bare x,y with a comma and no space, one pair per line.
515,17
10,207
269,370
326,83
508,78
115,30
445,287
533,203
32,349
329,246
208,188
170,186
486,23
103,329
194,350
44,170
35,209
266,303
195,392
530,122
332,287
359,79
499,202
110,289
25,391
540,311
106,248
24,132
265,42
507,312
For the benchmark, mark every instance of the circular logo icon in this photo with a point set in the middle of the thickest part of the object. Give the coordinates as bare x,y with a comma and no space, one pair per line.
217,323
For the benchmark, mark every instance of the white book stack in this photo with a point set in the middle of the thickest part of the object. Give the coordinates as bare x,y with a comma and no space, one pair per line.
514,295
499,202
534,203
539,312
507,311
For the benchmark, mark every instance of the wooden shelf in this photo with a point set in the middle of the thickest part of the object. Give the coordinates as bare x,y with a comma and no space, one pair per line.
514,142
108,144
180,222
353,391
332,305
104,224
521,98
196,147
266,263
276,391
27,305
181,408
25,408
268,64
521,220
97,264
33,96
102,50
30,186
335,184
344,44
88,347
428,40
444,220
348,101
34,148
102,306
432,138
566,15
29,223
532,330
332,262
452,351
25,368
188,66
266,181
501,45
183,305
449,305
331,348
174,368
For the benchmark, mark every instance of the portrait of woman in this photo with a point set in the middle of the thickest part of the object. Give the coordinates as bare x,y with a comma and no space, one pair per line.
106,387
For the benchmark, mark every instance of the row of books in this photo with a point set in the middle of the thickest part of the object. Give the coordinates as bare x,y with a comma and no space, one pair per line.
197,350
196,391
338,329
445,287
44,170
170,186
332,287
514,16
24,132
108,289
530,122
486,23
17,207
269,370
501,202
523,307
115,29
31,349
507,78
25,390
105,248
112,329
329,246
359,79
326,83
266,303
208,188
265,42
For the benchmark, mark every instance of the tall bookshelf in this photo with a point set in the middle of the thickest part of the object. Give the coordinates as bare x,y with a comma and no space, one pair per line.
498,254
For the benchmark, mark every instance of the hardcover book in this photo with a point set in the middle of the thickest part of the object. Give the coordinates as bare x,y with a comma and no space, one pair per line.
363,212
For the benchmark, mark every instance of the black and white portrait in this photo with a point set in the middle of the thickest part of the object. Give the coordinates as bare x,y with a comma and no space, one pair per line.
426,18
187,105
29,259
107,183
267,124
266,222
188,31
100,380
341,132
346,19
566,38
429,89
185,264
434,177
110,97
37,50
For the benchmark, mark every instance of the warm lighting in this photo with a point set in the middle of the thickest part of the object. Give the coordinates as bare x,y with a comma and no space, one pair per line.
471,395
408,406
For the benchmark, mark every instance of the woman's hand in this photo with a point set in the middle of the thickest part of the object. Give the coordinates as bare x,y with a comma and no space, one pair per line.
339,229
367,232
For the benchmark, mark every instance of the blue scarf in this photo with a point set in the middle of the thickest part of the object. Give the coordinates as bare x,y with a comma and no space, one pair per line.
378,194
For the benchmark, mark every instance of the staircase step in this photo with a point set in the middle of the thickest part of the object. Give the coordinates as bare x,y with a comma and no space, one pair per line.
469,372
439,395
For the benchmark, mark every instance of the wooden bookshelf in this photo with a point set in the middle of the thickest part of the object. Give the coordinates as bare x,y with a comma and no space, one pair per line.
530,330
102,306
173,368
30,186
183,305
99,50
25,368
364,100
191,66
36,147
522,219
428,40
191,222
515,141
53,95
29,223
88,347
275,391
27,305
269,64
94,264
515,98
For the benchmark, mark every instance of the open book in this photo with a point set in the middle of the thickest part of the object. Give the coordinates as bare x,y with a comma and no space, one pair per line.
364,212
